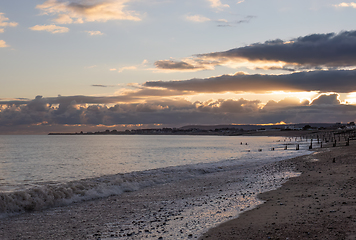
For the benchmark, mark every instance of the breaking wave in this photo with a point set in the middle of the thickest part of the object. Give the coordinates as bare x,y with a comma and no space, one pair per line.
54,194
47,195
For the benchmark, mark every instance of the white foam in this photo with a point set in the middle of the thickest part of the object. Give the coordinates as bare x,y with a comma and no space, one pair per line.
51,194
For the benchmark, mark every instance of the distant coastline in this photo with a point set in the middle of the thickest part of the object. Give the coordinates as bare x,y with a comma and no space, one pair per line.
229,130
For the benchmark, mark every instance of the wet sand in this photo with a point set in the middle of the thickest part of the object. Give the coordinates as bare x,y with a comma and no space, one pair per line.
319,204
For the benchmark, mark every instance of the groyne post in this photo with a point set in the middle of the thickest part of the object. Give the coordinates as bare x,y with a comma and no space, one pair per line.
311,144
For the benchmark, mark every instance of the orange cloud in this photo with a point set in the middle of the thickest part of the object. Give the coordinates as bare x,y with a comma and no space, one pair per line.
217,4
351,4
197,18
93,33
50,28
3,44
4,21
87,11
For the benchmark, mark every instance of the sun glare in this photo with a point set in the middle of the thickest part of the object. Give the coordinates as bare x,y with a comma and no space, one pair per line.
351,98
264,98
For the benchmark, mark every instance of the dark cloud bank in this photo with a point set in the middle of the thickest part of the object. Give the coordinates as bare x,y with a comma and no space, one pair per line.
314,51
342,81
40,111
331,50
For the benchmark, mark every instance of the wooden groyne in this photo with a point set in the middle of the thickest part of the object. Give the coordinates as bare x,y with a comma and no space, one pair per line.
325,139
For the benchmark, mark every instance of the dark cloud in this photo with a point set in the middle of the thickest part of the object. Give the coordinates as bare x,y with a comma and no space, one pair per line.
224,23
342,81
129,96
285,103
168,112
176,65
329,50
332,99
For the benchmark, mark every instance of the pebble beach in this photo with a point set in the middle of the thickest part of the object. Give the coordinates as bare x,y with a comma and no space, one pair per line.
307,197
319,204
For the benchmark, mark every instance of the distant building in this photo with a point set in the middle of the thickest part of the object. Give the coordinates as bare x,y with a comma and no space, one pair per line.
292,127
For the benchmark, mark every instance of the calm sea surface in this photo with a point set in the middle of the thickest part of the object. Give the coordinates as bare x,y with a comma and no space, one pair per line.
27,161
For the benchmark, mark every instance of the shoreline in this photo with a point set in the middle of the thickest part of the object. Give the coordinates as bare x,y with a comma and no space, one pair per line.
157,211
319,204
103,218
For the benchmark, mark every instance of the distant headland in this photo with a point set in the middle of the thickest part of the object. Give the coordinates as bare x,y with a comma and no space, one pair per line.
229,130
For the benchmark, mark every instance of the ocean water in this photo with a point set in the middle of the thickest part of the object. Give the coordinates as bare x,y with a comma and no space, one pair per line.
44,172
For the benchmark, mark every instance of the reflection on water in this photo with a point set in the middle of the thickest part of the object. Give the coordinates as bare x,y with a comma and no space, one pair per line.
28,160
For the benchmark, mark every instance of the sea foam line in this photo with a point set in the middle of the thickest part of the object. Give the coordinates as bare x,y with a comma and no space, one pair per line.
47,195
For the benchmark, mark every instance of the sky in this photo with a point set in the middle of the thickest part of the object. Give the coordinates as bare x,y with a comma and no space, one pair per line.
90,65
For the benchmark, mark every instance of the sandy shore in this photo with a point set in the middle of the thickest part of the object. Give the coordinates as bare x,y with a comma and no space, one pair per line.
319,204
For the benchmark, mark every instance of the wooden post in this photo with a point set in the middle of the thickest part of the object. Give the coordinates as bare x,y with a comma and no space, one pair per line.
311,144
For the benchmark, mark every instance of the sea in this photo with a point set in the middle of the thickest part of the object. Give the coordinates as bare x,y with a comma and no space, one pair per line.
39,172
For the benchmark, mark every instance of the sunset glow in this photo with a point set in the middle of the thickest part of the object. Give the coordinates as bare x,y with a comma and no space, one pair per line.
142,64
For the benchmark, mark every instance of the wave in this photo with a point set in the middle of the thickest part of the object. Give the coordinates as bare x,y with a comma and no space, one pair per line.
47,195
50,194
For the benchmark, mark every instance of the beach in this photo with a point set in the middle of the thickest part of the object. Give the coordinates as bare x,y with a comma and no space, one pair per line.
178,210
319,204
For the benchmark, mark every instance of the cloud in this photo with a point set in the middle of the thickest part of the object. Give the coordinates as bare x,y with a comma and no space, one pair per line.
197,18
226,23
240,1
94,33
128,96
285,103
2,30
90,67
178,65
3,44
342,81
351,4
81,110
134,67
127,68
217,4
316,50
311,52
4,21
50,28
327,99
220,22
99,85
80,11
